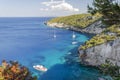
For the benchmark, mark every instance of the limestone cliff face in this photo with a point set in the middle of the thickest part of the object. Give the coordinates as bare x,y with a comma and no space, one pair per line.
98,55
95,28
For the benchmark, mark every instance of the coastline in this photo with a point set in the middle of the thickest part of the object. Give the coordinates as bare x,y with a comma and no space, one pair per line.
77,59
97,55
94,28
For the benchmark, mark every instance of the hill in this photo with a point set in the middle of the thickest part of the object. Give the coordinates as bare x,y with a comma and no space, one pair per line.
80,20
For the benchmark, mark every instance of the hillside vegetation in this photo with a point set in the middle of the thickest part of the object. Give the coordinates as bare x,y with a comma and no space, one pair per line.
110,11
114,29
97,40
110,34
80,20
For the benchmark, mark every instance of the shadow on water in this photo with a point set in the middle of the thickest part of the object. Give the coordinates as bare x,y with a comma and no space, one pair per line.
70,72
71,69
29,41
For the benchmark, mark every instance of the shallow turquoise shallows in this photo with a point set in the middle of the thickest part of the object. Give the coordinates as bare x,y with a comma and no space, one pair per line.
30,42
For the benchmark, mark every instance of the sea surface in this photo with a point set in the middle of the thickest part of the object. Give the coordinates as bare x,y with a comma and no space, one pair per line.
31,42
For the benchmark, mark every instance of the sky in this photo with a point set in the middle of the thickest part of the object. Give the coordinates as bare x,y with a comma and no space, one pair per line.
37,8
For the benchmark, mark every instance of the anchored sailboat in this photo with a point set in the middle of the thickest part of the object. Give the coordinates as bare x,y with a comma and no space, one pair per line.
73,36
54,35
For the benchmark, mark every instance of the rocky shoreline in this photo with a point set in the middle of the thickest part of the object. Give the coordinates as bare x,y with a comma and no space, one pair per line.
107,53
99,54
95,28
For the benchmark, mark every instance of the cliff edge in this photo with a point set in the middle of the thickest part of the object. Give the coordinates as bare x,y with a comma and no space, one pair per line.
99,54
104,46
84,23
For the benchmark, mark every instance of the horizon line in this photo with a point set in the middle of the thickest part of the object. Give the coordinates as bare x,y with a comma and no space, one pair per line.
44,16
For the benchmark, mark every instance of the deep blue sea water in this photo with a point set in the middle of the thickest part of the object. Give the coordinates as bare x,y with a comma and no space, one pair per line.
30,42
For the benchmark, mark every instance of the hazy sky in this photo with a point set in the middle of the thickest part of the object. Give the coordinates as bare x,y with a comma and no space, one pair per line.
34,8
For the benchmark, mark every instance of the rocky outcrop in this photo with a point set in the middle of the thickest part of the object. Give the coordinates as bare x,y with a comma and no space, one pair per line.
58,25
95,28
98,55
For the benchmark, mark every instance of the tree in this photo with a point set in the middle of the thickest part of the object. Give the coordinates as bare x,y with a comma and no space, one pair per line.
15,71
110,10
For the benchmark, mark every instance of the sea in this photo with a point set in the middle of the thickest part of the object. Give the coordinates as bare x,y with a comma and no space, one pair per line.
30,42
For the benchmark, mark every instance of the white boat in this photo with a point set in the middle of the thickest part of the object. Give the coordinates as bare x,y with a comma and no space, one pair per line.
67,28
40,68
54,36
73,36
74,42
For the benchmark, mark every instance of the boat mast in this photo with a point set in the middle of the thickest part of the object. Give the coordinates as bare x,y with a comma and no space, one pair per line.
54,35
73,36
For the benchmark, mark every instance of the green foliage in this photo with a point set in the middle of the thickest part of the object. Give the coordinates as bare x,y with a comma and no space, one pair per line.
81,20
109,9
110,69
105,36
114,29
97,40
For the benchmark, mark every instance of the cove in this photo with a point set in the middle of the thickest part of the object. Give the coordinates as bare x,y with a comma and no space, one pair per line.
31,42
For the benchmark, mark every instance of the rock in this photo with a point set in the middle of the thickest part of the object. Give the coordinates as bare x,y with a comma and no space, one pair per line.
58,25
95,28
98,55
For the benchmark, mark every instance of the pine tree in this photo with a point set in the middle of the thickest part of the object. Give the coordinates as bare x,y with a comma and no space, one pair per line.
110,10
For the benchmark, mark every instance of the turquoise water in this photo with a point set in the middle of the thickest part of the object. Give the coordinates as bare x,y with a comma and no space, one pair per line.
30,42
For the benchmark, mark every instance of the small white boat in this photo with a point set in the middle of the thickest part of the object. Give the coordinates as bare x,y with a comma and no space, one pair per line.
67,28
73,36
74,42
40,68
54,36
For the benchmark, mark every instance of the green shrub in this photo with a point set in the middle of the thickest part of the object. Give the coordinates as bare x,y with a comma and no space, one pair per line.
80,20
113,29
110,69
97,40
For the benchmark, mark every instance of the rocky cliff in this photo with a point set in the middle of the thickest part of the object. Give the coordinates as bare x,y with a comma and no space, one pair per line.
98,55
95,28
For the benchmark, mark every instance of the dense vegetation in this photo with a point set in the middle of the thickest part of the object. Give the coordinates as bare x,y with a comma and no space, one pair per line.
80,20
110,69
97,40
109,34
110,9
114,29
14,71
